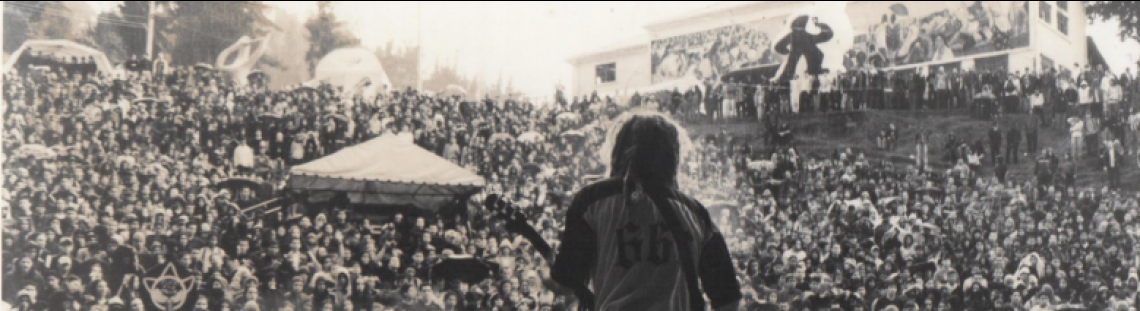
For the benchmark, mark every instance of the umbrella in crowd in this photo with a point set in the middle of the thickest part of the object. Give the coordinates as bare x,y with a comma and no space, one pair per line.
156,169
569,116
36,151
463,268
900,9
759,165
125,160
530,137
573,134
532,168
147,101
933,191
453,89
340,117
272,116
204,66
498,137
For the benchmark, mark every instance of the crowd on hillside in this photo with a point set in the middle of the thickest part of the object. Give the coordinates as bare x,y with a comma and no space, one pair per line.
111,176
1052,94
108,177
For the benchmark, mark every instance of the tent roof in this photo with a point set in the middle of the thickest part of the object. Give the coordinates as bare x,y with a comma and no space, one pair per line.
60,48
387,170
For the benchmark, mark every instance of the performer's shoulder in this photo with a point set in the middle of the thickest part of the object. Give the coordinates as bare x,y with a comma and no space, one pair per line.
598,190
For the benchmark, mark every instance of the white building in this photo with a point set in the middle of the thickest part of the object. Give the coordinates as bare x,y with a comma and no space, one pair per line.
680,51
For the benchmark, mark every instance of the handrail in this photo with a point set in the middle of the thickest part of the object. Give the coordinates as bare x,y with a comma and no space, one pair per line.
260,205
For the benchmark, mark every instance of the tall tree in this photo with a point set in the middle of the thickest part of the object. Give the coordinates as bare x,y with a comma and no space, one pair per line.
288,50
19,16
106,37
401,64
1127,12
132,30
25,20
196,31
326,34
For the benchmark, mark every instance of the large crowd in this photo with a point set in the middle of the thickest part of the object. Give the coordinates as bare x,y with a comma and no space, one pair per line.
109,176
1051,94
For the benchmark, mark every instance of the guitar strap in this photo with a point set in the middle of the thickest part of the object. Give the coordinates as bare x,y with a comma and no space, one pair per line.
682,240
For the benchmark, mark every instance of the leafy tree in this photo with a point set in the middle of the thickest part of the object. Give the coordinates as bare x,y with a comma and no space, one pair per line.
24,20
326,33
285,60
1127,12
132,29
106,37
18,18
401,64
196,31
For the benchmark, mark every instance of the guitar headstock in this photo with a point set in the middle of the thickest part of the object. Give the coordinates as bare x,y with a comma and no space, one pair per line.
502,208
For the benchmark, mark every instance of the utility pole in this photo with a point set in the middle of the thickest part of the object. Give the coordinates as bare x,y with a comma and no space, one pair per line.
419,45
150,31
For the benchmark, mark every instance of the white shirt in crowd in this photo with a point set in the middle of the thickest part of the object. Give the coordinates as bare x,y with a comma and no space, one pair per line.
1078,128
1085,94
243,156
1037,100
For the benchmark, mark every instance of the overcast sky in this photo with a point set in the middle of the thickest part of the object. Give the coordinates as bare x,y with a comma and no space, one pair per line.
530,41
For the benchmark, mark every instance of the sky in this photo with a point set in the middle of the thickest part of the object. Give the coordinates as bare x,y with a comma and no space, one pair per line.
529,42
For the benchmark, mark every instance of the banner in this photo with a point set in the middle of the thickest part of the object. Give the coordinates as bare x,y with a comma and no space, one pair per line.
169,287
887,34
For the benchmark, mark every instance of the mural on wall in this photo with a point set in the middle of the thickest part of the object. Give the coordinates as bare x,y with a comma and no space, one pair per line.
887,34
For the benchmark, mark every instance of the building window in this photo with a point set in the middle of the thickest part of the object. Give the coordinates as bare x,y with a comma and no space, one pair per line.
1063,23
1046,12
606,73
1046,63
1062,5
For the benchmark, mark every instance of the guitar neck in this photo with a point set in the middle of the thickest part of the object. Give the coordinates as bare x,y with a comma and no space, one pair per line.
535,239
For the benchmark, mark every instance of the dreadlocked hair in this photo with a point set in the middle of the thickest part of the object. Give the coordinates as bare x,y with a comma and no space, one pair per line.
647,150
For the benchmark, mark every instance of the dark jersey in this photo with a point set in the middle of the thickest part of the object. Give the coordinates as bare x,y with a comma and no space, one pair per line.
627,256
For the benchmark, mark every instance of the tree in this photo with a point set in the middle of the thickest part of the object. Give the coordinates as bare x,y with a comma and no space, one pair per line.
326,34
285,60
132,30
401,65
24,20
106,37
18,18
196,31
1127,12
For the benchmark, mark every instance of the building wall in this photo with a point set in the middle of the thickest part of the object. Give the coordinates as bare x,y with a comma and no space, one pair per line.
632,72
634,66
1050,42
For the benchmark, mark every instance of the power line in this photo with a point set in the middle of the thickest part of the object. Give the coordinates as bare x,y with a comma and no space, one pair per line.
68,15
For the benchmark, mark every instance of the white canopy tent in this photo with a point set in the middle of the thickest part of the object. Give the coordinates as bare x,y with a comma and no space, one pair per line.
388,171
60,48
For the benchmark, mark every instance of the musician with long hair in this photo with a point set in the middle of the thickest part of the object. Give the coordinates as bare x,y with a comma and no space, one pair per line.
638,242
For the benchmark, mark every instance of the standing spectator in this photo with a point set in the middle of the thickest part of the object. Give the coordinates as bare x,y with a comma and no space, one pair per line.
1113,95
1012,145
995,142
1031,137
1000,171
941,89
1113,155
1077,132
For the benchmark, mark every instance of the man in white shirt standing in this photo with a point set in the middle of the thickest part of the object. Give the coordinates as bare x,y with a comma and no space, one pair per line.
1077,133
